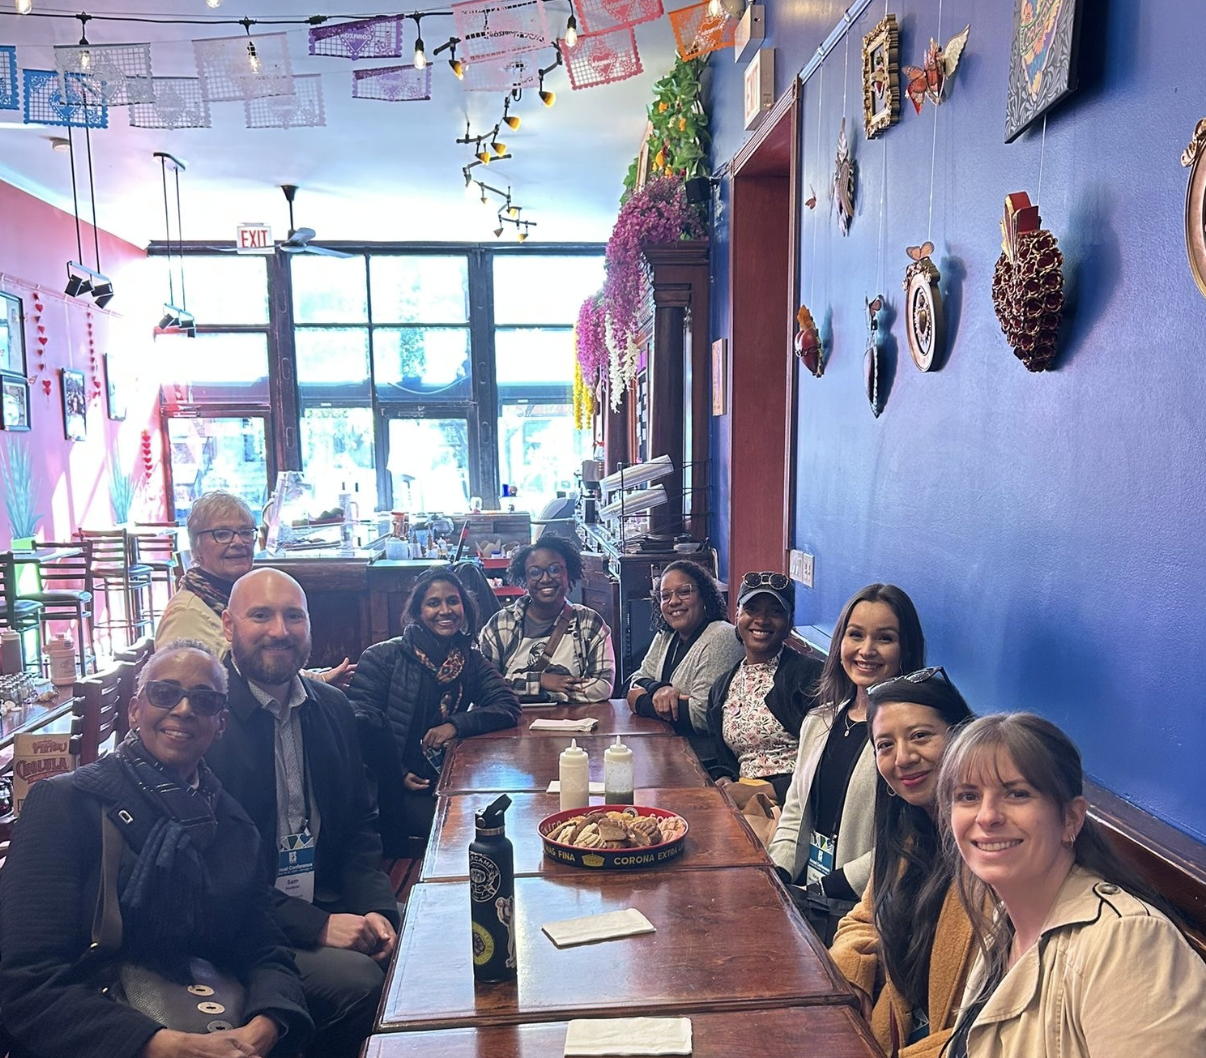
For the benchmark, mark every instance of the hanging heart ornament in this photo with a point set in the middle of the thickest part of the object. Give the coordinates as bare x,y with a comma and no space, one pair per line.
808,343
1028,284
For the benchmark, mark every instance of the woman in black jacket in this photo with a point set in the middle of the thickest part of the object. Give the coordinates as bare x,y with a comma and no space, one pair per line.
422,689
188,886
755,712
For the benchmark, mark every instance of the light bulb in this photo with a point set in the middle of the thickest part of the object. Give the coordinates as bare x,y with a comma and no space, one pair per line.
253,60
512,121
571,29
714,9
420,55
214,3
24,7
85,59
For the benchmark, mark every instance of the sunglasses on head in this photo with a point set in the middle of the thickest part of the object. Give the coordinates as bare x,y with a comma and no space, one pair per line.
164,695
776,581
920,676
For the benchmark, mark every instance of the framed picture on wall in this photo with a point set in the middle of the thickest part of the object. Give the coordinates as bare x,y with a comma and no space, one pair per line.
14,402
115,388
12,334
75,405
720,376
1042,60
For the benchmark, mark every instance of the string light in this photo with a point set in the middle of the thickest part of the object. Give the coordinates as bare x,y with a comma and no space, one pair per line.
571,28
85,55
24,7
213,3
420,55
715,10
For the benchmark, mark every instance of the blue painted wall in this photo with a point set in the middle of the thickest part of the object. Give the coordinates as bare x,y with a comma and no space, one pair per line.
1049,527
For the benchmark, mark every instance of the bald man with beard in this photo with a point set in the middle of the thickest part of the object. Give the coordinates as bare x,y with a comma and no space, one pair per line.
290,756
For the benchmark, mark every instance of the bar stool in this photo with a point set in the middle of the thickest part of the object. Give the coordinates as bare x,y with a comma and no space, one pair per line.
115,572
66,596
21,615
158,553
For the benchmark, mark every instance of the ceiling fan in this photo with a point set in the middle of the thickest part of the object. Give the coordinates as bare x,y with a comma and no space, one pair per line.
299,240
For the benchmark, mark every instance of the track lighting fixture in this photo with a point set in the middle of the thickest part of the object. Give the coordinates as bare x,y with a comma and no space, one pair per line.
420,55
548,98
509,119
571,28
499,148
81,281
522,233
454,63
483,155
176,319
498,232
24,7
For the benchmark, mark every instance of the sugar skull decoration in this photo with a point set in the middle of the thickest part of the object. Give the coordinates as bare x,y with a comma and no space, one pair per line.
808,343
929,80
843,182
923,308
872,368
1028,284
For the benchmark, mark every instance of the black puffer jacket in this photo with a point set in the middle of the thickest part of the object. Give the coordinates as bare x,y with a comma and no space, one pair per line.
392,691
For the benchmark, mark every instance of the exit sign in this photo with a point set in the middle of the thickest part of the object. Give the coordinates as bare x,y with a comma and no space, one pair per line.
253,238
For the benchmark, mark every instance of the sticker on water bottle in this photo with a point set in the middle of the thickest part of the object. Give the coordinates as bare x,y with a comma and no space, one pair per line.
484,878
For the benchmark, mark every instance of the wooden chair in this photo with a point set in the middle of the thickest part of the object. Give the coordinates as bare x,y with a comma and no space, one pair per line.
158,553
21,615
135,660
97,712
66,595
117,573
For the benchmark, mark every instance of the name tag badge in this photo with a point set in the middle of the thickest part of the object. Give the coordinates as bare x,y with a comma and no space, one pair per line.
295,866
820,857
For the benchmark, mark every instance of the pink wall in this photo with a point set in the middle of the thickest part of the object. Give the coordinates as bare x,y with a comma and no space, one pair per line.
71,478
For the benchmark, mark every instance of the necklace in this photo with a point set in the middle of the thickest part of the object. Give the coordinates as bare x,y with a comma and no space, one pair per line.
850,724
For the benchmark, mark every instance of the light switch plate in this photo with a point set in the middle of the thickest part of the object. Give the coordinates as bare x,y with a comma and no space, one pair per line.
800,567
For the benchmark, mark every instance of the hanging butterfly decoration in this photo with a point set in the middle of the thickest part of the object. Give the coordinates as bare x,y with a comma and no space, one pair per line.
843,182
811,201
873,376
923,307
1028,284
808,343
928,81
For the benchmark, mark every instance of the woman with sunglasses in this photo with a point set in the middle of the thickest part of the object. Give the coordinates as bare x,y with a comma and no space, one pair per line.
222,537
188,885
415,693
907,946
1075,956
826,834
549,649
755,710
692,648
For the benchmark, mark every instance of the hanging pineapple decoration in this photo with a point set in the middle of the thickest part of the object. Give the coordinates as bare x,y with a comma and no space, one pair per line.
808,343
873,372
1028,284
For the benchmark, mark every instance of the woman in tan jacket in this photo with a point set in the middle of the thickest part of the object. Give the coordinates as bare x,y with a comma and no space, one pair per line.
1072,963
908,945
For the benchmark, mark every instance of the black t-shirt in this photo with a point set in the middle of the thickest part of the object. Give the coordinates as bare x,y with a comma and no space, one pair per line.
842,748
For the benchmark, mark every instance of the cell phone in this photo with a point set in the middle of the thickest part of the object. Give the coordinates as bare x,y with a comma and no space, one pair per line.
435,759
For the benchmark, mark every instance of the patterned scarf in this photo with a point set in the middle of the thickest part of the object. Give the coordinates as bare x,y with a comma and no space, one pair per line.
447,672
213,591
165,893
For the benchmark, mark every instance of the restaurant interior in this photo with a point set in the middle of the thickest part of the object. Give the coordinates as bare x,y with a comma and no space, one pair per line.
740,285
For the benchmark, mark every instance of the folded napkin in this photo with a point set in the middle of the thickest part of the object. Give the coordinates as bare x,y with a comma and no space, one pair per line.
607,926
595,789
586,725
605,1036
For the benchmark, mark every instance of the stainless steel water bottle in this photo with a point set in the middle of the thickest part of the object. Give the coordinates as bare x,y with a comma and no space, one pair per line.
492,895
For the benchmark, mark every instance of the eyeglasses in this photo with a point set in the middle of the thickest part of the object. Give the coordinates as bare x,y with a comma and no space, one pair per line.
776,581
225,536
681,594
920,676
537,573
164,695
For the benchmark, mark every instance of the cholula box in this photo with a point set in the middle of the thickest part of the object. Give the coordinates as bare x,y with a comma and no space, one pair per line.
37,757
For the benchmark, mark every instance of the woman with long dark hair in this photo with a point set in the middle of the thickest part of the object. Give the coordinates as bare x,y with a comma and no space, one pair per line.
693,646
826,834
907,946
1075,956
417,692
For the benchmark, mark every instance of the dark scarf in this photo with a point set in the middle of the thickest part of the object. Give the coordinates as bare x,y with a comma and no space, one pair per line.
166,893
213,591
444,658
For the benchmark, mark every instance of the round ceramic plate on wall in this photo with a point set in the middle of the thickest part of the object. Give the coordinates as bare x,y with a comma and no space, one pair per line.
1195,205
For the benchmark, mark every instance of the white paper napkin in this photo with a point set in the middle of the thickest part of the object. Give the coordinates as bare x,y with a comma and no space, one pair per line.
594,789
586,725
607,926
605,1036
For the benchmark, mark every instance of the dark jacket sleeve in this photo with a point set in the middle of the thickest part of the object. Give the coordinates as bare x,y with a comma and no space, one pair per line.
724,761
791,695
492,704
47,891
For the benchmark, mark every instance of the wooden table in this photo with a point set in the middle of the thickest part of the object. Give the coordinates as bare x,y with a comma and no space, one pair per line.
614,716
530,763
805,1032
718,836
726,939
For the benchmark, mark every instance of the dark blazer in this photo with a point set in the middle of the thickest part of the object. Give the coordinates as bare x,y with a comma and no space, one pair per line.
790,697
48,892
349,847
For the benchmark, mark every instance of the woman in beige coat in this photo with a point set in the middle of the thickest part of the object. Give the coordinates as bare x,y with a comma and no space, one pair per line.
1073,964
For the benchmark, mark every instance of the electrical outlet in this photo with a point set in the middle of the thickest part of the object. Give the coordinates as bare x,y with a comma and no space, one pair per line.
800,567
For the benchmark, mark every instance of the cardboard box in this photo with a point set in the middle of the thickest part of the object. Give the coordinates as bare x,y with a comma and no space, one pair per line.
37,757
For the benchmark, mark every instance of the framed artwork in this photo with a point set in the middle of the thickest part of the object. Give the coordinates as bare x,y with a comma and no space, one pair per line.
75,405
114,386
720,376
12,334
881,77
14,402
1042,60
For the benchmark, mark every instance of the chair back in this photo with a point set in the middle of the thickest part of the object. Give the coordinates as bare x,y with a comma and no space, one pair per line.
73,573
8,588
135,659
111,549
158,551
97,711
